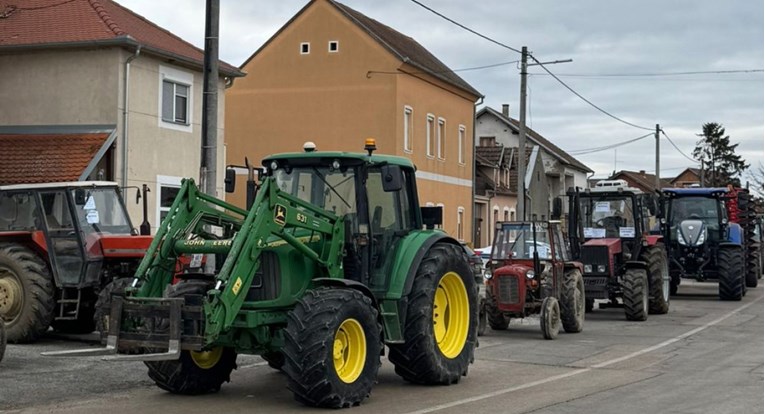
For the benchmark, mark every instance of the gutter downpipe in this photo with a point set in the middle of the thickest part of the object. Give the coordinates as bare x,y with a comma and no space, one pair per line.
472,207
125,100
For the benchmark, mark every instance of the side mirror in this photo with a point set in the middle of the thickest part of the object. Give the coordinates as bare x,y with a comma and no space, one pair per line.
79,197
230,180
392,178
557,208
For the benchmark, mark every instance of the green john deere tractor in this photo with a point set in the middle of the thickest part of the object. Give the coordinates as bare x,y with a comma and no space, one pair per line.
333,260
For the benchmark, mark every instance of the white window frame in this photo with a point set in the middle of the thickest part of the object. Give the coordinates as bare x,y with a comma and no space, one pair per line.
329,46
308,48
440,144
461,136
429,204
460,222
164,181
430,125
408,128
180,77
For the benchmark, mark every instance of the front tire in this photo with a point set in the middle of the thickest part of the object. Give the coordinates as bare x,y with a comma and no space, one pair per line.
572,301
549,320
729,268
635,290
194,372
26,293
658,279
440,326
332,347
497,319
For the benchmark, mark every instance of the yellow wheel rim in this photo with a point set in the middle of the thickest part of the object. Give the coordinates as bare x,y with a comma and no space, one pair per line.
349,351
451,315
207,359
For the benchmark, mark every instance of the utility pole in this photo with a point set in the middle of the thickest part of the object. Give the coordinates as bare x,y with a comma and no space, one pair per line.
209,156
521,198
658,180
209,170
520,208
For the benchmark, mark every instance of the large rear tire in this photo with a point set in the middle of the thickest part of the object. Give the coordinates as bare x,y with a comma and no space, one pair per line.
754,273
729,273
659,287
332,347
440,327
572,301
635,291
26,293
194,372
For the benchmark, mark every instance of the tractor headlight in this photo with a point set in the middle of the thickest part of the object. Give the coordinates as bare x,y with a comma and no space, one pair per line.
702,238
601,268
487,274
587,268
530,274
680,238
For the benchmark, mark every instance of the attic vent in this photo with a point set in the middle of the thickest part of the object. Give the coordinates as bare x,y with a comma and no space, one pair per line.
305,48
334,46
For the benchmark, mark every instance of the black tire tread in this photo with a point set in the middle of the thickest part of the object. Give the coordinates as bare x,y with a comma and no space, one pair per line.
729,268
571,315
419,360
633,289
497,319
37,314
655,258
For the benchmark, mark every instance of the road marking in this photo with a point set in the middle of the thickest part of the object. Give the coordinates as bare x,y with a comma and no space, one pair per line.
583,370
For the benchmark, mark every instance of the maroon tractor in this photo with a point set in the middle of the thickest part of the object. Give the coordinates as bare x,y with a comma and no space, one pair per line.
60,245
623,263
532,273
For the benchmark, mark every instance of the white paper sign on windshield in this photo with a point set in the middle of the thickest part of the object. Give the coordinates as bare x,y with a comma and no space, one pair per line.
90,204
627,232
92,217
594,233
602,207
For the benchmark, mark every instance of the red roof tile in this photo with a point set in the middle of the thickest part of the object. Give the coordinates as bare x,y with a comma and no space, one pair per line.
44,158
47,22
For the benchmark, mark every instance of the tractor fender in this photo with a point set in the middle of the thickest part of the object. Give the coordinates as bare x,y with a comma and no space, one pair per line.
735,233
652,239
635,264
347,284
412,249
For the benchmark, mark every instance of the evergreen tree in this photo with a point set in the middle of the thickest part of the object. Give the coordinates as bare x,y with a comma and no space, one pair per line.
722,165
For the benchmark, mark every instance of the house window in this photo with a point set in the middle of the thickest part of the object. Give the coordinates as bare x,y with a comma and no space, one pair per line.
496,214
512,215
461,144
431,131
408,128
305,48
506,213
176,99
460,221
168,190
487,142
175,102
441,148
334,46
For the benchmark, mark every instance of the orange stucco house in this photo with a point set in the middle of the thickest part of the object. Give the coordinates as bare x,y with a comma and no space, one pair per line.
334,76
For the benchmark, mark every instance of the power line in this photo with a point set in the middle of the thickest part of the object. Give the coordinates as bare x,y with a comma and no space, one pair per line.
700,72
606,147
587,100
493,65
465,27
677,148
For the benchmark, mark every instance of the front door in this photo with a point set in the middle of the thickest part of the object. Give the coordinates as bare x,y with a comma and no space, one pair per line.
63,237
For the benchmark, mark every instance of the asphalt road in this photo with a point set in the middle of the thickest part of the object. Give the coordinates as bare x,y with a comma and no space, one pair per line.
705,356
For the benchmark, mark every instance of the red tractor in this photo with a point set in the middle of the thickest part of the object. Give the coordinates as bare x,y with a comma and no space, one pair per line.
60,245
532,273
609,233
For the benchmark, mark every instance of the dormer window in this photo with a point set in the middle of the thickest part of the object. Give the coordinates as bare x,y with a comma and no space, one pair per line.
334,46
305,48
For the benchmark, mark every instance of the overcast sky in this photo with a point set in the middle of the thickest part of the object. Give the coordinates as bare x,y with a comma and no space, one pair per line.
602,37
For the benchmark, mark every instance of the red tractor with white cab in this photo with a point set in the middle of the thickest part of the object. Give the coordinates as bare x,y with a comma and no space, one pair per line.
60,245
609,233
532,273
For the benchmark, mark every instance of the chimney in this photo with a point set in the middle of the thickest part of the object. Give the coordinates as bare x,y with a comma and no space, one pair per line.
642,172
506,110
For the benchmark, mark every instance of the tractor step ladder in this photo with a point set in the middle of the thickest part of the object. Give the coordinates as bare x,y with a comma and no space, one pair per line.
63,301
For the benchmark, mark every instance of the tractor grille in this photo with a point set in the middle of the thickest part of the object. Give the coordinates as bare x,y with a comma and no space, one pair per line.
508,290
266,284
596,255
